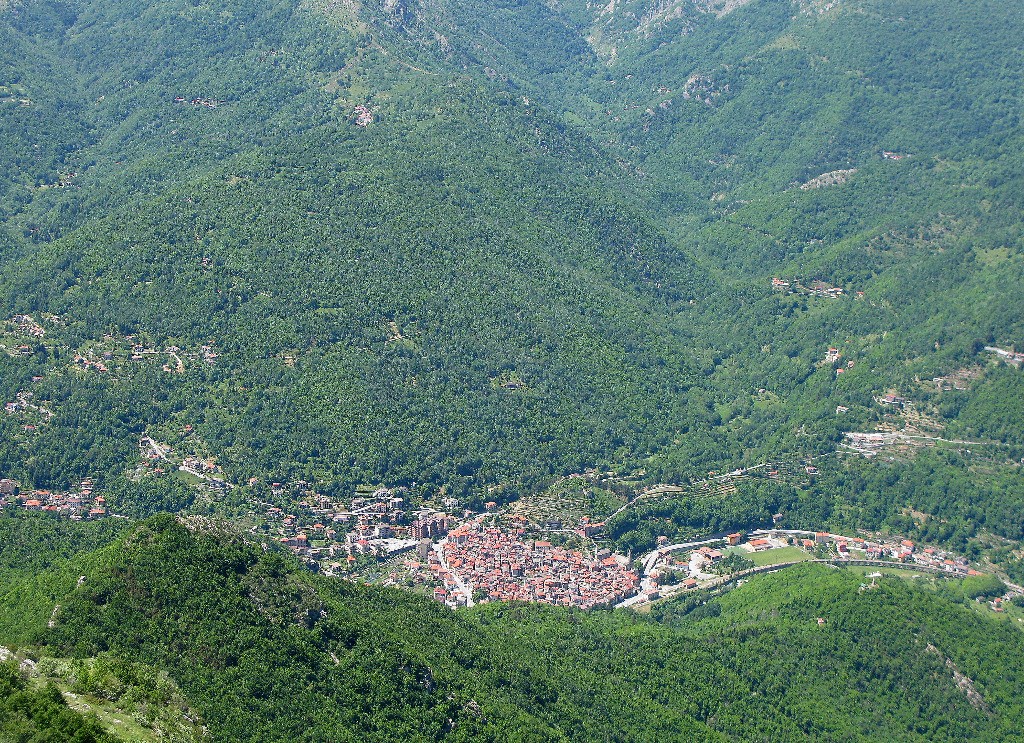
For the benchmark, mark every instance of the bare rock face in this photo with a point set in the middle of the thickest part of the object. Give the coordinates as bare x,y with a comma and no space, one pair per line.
720,7
397,11
832,178
345,12
816,7
963,682
617,24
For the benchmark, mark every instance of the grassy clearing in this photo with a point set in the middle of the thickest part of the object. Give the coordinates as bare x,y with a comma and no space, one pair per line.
114,719
776,556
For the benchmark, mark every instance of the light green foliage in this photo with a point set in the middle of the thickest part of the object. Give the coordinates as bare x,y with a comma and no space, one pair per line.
41,714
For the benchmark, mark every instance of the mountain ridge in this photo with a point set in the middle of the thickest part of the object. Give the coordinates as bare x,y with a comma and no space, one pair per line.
197,601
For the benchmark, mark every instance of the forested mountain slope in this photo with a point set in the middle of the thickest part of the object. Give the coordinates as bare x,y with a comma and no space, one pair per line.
467,248
369,289
264,651
839,142
523,262
479,245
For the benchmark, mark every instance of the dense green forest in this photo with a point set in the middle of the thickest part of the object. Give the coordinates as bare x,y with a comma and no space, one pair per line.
470,248
205,181
264,650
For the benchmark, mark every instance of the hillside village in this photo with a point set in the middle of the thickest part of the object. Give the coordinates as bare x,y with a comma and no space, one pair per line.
719,561
77,504
156,458
815,288
30,413
330,534
486,560
464,558
493,556
546,547
22,334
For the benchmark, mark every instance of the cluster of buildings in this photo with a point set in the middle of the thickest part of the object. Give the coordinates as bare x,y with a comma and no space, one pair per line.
206,102
86,363
22,405
157,458
208,354
502,565
174,355
28,326
430,525
320,545
834,357
81,503
891,400
336,536
108,353
1009,356
376,524
364,116
688,566
868,444
22,325
426,572
896,548
204,469
702,560
822,289
814,289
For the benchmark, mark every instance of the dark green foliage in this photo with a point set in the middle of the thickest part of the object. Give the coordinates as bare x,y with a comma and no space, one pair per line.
958,502
33,542
994,413
511,211
526,207
679,519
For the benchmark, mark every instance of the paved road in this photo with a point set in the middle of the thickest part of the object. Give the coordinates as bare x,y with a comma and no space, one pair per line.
892,437
155,448
651,558
667,590
466,591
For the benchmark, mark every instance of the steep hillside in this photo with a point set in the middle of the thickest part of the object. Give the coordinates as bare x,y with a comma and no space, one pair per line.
372,251
480,245
42,714
834,141
263,652
839,143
